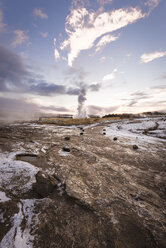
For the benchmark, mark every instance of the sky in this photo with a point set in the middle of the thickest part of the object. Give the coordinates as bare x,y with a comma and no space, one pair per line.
69,56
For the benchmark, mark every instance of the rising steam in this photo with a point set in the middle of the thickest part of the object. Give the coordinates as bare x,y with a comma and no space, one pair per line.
81,104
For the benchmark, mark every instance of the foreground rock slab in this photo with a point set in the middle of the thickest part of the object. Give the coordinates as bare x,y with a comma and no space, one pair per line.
100,194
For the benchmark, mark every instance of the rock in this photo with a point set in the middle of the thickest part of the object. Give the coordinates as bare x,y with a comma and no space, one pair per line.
119,127
45,184
136,197
107,195
43,150
135,147
115,138
66,149
67,138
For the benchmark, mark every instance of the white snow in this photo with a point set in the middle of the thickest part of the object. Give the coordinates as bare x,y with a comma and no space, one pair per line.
132,131
63,153
3,197
43,150
16,175
16,237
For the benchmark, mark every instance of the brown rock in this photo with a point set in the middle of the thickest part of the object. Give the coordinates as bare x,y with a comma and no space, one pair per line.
45,184
135,147
66,149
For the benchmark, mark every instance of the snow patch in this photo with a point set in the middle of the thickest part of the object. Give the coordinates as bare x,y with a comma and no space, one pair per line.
3,197
63,153
17,236
16,176
132,131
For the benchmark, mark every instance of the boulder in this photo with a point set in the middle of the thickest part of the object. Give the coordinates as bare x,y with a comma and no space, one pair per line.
67,138
104,133
115,138
66,149
135,147
81,133
45,183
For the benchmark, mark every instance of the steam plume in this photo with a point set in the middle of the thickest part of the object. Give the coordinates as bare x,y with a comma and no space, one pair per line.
81,104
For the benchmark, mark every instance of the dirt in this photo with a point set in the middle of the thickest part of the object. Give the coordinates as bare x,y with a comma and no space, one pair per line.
113,196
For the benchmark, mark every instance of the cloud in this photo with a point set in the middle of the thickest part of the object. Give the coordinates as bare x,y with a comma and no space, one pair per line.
105,40
94,86
20,38
25,109
104,2
12,70
39,13
2,24
56,52
110,76
97,110
16,77
132,103
147,57
45,89
136,98
44,35
83,27
103,58
139,94
77,74
79,3
161,77
73,91
151,106
159,88
54,108
42,88
152,4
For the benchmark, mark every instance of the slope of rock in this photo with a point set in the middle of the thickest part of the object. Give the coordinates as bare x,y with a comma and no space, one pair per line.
104,194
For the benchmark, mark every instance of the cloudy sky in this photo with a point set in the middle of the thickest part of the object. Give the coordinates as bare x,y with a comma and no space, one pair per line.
113,51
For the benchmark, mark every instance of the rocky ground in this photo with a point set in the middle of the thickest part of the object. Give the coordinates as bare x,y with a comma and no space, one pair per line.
92,190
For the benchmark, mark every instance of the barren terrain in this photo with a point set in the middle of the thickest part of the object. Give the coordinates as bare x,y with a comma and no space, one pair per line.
103,186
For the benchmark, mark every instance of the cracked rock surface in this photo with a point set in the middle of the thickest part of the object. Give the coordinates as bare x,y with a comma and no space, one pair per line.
103,193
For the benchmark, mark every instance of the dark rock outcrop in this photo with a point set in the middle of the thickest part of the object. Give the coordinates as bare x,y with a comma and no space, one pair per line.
135,147
66,149
45,184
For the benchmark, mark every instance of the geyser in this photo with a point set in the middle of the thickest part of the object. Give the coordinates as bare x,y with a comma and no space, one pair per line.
81,104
